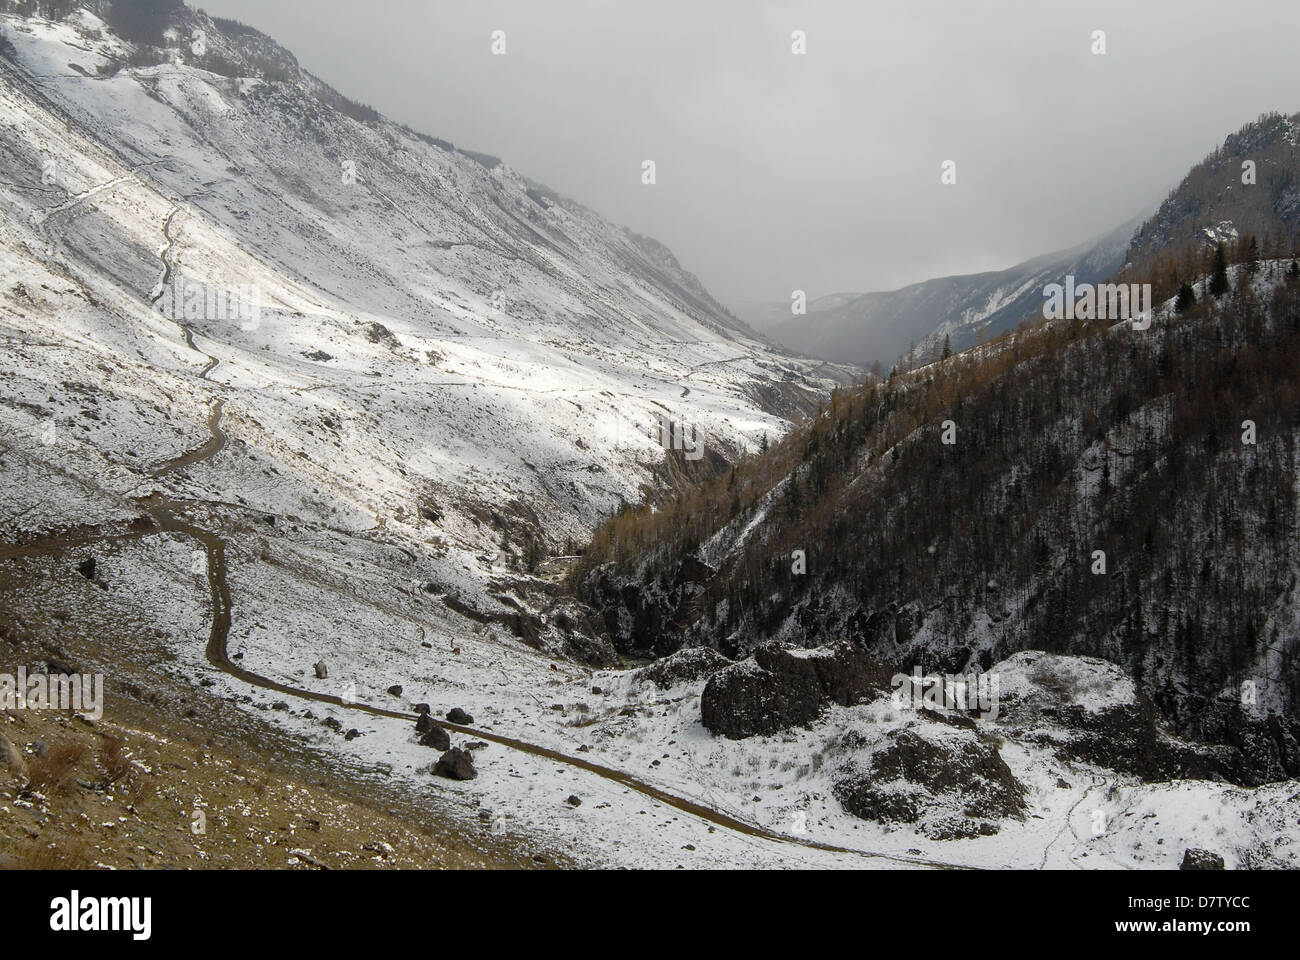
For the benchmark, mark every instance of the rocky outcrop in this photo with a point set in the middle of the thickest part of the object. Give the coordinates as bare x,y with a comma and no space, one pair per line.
778,688
647,619
954,783
458,716
565,628
1266,748
1090,710
684,666
580,632
1197,859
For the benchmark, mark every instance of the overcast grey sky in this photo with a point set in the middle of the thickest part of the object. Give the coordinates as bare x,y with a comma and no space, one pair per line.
819,172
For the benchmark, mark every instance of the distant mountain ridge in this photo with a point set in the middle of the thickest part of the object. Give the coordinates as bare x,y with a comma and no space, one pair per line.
871,328
1212,204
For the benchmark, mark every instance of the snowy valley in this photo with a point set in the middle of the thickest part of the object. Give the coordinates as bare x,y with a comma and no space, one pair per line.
306,416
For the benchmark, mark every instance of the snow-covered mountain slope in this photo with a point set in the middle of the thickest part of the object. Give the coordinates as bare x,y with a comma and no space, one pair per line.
308,387
430,330
879,328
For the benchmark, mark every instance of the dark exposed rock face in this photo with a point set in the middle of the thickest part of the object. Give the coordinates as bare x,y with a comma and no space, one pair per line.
581,633
459,716
1131,739
566,628
1267,748
647,619
455,764
777,688
684,666
1197,859
963,778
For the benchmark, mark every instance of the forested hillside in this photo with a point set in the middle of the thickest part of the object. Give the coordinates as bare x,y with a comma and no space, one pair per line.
1172,450
1245,195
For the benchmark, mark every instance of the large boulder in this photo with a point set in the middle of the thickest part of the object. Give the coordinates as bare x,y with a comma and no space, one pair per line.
455,764
778,688
436,737
458,716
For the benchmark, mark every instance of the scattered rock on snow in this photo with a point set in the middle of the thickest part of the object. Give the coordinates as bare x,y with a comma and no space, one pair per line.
436,737
455,764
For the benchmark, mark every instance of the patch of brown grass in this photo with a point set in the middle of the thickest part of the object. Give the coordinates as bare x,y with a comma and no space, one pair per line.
114,761
51,773
69,853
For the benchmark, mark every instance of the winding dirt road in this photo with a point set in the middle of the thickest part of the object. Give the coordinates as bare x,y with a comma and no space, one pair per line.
166,515
167,518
